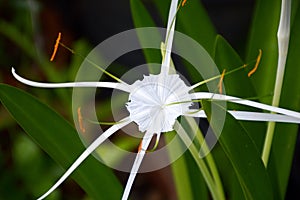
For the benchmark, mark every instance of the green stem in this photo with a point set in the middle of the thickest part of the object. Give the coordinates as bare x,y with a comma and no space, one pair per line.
209,158
268,143
216,195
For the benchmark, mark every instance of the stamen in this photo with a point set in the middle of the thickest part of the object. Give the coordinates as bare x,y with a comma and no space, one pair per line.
256,64
220,85
92,63
140,146
80,120
183,3
103,123
156,143
55,47
216,77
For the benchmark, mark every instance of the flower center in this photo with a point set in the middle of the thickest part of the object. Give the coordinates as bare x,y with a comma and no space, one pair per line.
152,103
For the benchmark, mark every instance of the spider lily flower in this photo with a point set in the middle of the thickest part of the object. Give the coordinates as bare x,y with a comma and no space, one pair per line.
155,103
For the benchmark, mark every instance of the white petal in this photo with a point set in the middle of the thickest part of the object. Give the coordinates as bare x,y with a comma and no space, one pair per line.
119,86
283,36
137,163
169,37
212,96
86,153
251,116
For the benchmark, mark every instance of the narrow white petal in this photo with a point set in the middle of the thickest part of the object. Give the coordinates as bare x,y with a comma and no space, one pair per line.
251,116
86,153
212,96
169,37
283,36
137,163
119,86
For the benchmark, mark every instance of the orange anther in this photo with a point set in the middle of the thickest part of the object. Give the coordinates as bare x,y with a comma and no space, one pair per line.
140,146
220,85
256,64
80,120
183,3
55,46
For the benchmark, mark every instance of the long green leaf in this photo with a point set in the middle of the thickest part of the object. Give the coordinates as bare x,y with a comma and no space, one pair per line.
60,140
286,134
238,84
141,18
263,36
192,20
181,174
244,157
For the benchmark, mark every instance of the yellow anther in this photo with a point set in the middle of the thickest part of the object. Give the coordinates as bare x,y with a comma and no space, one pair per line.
220,85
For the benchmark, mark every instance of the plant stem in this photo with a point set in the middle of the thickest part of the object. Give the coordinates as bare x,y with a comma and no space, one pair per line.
212,186
209,158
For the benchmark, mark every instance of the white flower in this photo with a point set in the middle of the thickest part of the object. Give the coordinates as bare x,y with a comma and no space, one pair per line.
155,103
150,101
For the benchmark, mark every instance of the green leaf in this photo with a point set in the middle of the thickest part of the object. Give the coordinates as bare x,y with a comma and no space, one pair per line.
238,84
244,157
263,36
285,135
60,140
192,20
142,18
180,173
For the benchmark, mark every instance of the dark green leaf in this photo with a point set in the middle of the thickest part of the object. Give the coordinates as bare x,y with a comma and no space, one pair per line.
141,18
192,20
60,140
244,157
263,36
238,84
286,134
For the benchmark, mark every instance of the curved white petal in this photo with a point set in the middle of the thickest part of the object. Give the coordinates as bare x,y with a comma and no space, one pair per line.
120,86
169,37
86,153
137,163
250,116
213,96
